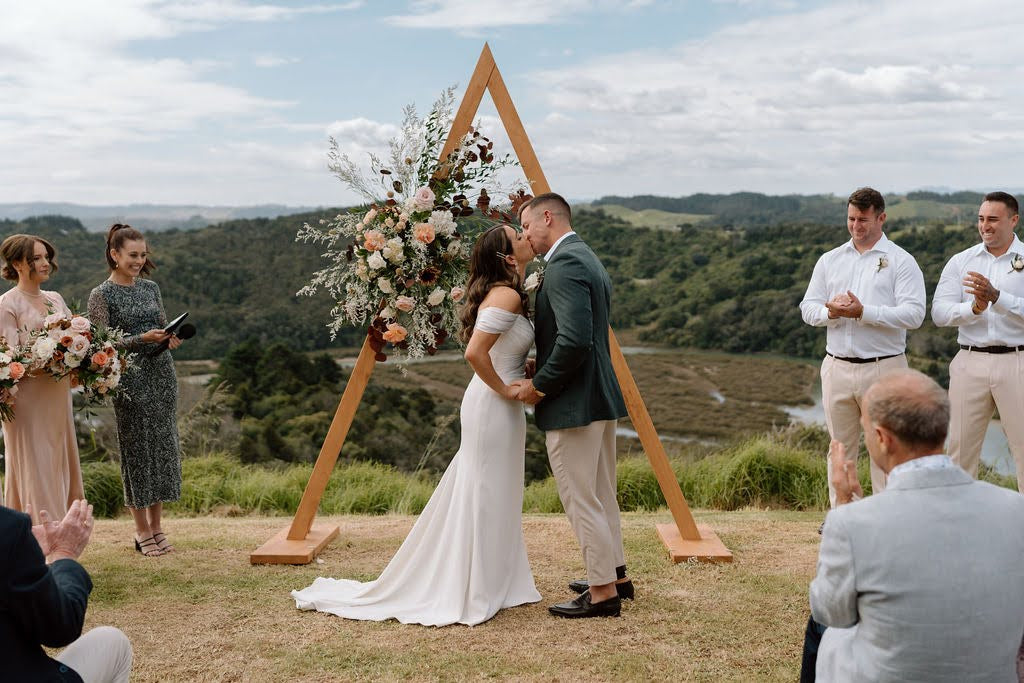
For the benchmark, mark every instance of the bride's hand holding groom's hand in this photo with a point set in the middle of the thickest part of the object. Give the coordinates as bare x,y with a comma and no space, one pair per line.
527,393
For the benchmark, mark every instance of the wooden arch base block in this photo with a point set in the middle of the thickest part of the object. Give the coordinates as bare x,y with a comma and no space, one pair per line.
708,548
281,550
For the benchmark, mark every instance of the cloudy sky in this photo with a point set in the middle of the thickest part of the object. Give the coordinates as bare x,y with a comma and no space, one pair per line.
231,102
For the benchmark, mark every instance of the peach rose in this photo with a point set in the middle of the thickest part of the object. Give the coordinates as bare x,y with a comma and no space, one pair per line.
17,370
373,240
405,303
395,333
424,232
99,358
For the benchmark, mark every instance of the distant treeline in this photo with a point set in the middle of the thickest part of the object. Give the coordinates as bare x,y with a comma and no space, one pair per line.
704,286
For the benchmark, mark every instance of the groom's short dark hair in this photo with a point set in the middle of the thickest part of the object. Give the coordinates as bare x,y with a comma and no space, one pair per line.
553,202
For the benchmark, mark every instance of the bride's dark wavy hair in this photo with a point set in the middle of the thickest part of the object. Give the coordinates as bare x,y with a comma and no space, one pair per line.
488,269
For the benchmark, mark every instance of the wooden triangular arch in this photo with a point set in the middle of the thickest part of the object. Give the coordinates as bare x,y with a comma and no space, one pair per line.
300,542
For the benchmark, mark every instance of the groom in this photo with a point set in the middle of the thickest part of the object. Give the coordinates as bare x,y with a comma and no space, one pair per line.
578,400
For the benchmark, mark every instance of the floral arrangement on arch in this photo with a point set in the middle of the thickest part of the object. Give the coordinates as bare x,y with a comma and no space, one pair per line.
12,369
76,347
400,264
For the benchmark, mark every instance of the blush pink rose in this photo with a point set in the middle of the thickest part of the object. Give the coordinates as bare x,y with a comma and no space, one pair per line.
405,303
80,324
424,232
424,198
457,293
395,333
373,240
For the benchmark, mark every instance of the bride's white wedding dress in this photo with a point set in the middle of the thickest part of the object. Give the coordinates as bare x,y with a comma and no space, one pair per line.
465,557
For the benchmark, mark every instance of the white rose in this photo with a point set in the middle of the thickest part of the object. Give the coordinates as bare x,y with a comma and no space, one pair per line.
43,348
384,285
443,222
436,297
79,346
376,261
72,361
5,372
5,358
454,247
387,313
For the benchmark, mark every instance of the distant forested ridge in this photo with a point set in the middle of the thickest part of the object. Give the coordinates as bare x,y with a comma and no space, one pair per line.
713,285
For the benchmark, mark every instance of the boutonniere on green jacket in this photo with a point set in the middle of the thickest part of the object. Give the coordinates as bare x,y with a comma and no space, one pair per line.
1017,263
534,281
883,262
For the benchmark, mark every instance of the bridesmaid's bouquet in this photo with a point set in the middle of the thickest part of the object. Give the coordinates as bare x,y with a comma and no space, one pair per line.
75,347
12,369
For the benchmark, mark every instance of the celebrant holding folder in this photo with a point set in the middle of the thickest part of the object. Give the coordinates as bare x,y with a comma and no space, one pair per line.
147,428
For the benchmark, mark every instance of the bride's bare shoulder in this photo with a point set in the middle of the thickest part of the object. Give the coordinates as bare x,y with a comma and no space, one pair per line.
504,298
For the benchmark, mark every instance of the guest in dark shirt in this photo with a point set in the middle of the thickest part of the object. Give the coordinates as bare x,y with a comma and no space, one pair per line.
43,596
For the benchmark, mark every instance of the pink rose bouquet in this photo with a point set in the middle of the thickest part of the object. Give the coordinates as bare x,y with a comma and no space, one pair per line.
12,369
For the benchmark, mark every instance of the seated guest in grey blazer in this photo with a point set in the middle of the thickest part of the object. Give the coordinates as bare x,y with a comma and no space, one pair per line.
924,581
43,604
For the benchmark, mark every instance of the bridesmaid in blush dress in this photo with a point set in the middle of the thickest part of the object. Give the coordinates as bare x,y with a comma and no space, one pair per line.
40,449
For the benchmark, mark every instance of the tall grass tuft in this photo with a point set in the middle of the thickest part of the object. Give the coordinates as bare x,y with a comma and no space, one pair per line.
780,469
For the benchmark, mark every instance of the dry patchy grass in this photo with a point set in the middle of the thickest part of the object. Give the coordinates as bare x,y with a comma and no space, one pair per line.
203,613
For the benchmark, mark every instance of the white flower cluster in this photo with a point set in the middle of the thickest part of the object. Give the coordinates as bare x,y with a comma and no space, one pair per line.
400,266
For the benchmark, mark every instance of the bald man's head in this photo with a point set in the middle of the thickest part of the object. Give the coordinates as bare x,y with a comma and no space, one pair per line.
913,407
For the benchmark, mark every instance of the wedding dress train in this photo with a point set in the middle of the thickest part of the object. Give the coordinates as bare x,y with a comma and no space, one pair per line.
465,557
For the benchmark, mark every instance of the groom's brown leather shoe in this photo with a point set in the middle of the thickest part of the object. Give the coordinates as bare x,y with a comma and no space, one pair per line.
581,608
625,589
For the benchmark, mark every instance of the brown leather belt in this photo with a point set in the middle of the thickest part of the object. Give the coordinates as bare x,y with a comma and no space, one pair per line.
862,360
992,349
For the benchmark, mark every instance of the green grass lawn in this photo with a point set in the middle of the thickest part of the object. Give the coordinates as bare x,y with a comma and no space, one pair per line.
204,613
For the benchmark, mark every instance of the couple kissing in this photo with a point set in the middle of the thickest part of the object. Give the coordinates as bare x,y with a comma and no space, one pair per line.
465,557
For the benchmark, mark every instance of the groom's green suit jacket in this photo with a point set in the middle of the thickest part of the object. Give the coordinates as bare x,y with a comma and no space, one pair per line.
574,367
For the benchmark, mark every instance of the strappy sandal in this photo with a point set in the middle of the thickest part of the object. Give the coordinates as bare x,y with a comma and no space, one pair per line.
162,542
143,547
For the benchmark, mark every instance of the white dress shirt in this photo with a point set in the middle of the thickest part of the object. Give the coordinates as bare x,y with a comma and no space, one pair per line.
889,284
551,252
1002,323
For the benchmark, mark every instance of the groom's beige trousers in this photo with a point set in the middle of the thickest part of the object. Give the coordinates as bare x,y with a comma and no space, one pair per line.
583,462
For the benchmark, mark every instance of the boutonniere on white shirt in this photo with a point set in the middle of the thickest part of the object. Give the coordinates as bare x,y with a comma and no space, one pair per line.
534,280
883,262
1017,263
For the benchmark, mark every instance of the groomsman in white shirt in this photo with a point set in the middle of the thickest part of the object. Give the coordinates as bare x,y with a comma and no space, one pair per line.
867,293
981,291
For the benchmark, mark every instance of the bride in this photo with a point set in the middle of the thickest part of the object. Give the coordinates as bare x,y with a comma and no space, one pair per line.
465,557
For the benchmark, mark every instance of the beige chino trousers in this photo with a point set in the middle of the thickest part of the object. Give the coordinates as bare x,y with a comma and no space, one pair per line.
583,462
978,384
843,385
103,655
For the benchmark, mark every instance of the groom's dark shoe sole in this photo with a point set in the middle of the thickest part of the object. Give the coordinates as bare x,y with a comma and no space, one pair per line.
581,608
625,590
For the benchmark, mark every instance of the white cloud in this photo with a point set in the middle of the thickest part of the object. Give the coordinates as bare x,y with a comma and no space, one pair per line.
471,15
799,102
271,61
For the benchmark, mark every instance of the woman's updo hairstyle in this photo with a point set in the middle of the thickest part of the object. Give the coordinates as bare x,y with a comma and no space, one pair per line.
23,248
120,233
